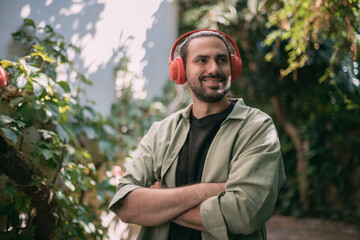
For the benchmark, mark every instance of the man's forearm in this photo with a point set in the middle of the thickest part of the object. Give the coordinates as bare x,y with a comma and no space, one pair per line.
191,219
152,207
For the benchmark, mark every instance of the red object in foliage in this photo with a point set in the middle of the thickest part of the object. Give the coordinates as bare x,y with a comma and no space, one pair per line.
4,77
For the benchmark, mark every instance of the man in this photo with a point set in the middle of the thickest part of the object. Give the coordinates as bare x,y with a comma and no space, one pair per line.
212,170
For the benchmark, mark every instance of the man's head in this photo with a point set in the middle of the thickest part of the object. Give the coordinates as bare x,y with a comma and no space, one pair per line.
176,65
208,69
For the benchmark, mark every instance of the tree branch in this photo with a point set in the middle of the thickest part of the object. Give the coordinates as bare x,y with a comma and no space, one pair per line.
293,133
17,168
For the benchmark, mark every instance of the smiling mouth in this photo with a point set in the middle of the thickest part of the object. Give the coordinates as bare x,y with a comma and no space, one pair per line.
213,79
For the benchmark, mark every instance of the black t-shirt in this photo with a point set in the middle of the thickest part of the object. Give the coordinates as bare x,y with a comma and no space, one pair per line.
191,161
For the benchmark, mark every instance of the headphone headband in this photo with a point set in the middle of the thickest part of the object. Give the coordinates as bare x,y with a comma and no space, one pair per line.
236,49
177,69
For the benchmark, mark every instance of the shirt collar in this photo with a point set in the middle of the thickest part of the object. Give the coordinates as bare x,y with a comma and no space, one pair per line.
239,112
240,109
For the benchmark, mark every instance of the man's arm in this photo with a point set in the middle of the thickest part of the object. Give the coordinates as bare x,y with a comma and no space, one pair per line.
191,219
253,183
152,206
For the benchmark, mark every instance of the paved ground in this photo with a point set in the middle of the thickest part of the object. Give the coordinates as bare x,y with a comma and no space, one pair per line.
286,228
278,228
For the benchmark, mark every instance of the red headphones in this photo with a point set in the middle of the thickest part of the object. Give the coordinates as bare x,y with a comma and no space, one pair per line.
177,69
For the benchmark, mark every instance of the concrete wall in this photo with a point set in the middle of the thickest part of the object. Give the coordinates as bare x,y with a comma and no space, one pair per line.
106,31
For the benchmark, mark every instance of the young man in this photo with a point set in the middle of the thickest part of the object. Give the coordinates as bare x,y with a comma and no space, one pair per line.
212,170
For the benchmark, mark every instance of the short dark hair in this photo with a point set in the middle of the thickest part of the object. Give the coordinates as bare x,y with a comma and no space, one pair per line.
183,48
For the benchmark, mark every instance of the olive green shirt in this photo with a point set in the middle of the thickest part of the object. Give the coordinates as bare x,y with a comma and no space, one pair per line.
245,154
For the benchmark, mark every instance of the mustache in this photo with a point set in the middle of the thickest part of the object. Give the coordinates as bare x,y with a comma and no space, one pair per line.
217,76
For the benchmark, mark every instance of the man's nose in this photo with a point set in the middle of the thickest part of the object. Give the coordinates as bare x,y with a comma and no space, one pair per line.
213,67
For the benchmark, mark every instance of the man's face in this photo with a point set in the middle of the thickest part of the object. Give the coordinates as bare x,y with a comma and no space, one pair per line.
208,70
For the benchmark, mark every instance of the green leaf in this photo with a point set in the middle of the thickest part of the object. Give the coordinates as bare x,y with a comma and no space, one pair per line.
47,134
37,104
48,154
110,130
25,66
29,22
69,185
20,36
90,132
41,115
38,48
64,86
70,149
15,102
20,123
6,63
49,29
5,119
38,89
21,81
63,135
9,134
52,108
25,112
42,79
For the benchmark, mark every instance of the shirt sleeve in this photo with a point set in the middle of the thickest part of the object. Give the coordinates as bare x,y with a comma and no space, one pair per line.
139,173
254,180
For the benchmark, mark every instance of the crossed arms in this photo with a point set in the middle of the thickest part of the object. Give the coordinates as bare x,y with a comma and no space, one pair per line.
252,183
155,205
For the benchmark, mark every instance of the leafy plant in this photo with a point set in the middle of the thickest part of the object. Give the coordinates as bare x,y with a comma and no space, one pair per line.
59,157
55,148
307,27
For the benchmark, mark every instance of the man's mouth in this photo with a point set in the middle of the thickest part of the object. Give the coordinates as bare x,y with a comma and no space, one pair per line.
212,79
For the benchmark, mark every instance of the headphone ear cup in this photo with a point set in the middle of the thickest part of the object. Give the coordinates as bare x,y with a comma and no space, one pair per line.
177,71
236,67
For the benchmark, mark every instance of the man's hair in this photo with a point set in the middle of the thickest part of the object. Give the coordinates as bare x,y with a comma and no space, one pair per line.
184,47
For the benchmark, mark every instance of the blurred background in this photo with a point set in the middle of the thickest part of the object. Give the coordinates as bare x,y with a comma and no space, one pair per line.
86,79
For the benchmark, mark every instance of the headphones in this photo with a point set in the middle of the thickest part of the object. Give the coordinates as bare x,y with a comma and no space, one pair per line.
177,68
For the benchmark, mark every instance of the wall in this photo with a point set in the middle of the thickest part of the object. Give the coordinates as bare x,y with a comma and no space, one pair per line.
106,31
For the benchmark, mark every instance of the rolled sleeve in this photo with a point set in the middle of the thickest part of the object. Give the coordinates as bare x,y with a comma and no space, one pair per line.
119,195
212,218
251,190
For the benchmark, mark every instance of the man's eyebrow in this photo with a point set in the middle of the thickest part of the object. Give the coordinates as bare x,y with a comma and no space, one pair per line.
222,55
202,56
207,56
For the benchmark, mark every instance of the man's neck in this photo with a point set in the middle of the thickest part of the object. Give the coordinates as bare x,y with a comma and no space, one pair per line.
202,109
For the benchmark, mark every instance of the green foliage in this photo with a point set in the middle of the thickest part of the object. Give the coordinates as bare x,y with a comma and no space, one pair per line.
133,117
74,146
65,138
307,27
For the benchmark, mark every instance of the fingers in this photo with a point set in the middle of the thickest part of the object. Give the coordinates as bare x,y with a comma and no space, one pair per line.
156,184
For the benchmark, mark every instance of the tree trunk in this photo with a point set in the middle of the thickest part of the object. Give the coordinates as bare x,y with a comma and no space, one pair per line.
17,168
292,131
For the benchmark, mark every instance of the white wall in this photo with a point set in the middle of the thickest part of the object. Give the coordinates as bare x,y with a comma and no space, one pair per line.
106,31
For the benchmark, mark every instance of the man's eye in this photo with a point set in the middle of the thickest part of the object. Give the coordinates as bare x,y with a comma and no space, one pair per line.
222,60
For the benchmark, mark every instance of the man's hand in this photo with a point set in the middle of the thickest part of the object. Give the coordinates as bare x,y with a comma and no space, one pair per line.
156,185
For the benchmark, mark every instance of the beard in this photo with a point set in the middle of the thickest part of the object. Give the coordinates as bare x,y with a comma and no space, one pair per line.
215,95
